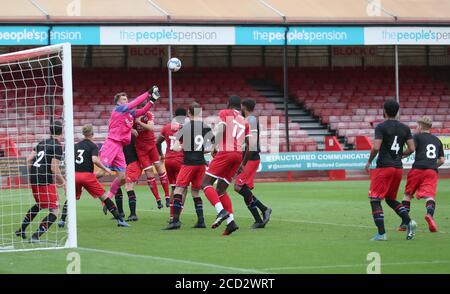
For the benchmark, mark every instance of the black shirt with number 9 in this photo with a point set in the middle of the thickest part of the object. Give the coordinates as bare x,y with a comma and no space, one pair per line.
394,135
41,167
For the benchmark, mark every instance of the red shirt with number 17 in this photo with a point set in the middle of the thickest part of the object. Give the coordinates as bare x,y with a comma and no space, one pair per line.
237,129
168,133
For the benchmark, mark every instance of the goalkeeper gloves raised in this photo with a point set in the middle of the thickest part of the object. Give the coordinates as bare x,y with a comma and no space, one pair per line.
154,94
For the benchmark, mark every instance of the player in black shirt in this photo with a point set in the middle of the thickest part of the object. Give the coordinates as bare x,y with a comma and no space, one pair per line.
423,177
390,137
86,155
195,138
133,173
44,163
245,180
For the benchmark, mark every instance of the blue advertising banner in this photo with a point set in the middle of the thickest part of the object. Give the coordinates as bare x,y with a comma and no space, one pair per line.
89,35
228,35
23,35
300,36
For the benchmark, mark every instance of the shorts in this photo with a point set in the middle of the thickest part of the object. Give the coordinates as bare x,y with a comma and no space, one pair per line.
90,182
225,165
147,157
173,166
111,155
422,182
191,174
45,196
133,172
384,182
247,176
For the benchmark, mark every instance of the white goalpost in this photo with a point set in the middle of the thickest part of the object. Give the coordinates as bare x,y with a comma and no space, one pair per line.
35,92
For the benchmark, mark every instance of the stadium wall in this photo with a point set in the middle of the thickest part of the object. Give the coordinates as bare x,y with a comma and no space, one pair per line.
256,56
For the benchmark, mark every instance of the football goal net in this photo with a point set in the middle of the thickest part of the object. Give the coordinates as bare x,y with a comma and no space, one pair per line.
36,149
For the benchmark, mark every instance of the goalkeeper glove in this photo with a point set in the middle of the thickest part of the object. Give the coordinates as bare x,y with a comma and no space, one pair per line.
154,93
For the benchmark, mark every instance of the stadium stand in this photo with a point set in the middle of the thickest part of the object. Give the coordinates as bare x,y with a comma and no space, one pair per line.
349,99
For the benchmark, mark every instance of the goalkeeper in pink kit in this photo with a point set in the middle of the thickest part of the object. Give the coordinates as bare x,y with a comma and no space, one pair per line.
119,133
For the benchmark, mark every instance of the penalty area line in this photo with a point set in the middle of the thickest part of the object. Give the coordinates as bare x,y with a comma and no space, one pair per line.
353,265
300,221
174,260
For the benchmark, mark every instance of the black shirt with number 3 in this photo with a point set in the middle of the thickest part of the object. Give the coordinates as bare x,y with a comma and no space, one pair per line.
394,135
428,149
41,166
84,150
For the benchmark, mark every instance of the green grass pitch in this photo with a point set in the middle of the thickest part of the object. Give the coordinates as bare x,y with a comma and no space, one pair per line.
316,227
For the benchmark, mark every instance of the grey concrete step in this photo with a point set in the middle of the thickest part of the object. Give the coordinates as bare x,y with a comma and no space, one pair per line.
316,132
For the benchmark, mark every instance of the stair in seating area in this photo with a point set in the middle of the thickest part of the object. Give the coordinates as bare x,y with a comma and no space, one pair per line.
296,113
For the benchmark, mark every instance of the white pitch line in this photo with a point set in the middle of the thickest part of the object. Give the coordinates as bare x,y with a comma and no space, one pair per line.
173,260
354,265
300,221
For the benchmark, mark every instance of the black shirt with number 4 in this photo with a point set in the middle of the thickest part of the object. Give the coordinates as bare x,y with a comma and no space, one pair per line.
428,149
84,150
195,136
41,166
394,135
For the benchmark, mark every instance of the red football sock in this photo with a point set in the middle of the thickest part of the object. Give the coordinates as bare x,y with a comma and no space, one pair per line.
226,202
165,184
151,182
212,195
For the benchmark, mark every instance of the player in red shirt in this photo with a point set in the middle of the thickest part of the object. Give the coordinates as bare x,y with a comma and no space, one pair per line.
232,131
148,156
245,179
173,160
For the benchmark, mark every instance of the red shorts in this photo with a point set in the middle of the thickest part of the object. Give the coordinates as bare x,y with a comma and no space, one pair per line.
422,182
90,182
224,165
384,182
147,157
173,166
247,176
191,174
45,196
133,172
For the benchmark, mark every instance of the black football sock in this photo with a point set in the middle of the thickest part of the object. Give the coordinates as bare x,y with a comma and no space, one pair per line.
31,214
64,212
45,224
198,203
407,205
254,211
378,216
132,202
251,203
247,194
400,210
431,206
259,204
119,200
177,206
112,208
